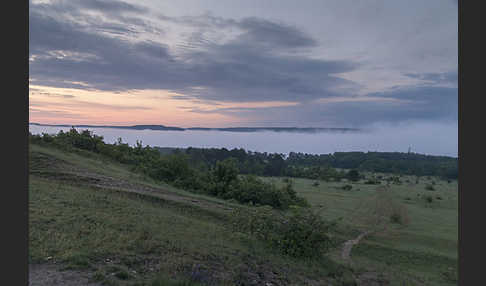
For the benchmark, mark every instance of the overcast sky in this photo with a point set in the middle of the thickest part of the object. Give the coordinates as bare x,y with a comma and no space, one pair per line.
243,63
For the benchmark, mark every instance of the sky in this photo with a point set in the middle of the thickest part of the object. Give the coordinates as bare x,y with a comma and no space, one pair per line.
243,63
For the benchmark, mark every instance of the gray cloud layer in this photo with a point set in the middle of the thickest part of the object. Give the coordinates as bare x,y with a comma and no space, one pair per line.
122,47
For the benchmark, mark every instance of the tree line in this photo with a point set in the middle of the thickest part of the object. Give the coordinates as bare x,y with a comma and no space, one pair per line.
325,166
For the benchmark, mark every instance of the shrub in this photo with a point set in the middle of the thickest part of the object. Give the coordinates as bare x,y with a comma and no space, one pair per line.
373,182
347,187
226,171
429,199
353,175
385,207
394,180
451,274
430,188
298,233
251,190
123,275
98,276
316,184
399,214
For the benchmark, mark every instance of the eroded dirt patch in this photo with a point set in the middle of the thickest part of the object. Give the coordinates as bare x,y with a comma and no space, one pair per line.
348,245
52,275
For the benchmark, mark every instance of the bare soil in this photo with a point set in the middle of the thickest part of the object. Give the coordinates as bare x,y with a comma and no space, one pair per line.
53,275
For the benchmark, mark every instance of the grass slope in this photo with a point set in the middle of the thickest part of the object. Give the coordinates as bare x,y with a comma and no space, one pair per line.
90,214
121,237
425,248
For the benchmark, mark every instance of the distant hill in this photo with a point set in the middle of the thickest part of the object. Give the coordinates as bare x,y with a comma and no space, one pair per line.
135,127
227,129
275,129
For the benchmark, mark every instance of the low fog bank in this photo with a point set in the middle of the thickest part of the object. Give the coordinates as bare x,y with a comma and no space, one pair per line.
430,138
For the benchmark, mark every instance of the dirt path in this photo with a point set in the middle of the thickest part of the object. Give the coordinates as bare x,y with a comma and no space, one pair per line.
348,245
101,181
51,168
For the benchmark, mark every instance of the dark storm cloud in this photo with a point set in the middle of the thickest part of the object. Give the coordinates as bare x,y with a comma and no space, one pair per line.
280,35
202,21
110,6
110,64
239,71
106,6
262,60
120,18
247,68
424,103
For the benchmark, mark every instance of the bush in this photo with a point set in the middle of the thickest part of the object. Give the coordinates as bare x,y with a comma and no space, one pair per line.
316,184
123,275
251,190
353,175
450,274
347,187
385,207
430,188
373,182
399,214
394,180
298,233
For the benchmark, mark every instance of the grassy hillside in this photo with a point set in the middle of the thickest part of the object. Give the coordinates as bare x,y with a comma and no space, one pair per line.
425,247
94,216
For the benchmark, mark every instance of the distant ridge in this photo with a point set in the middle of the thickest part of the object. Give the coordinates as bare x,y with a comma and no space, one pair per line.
135,127
227,129
275,129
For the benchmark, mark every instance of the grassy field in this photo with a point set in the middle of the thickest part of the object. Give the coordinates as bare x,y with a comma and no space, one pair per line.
123,237
90,214
424,249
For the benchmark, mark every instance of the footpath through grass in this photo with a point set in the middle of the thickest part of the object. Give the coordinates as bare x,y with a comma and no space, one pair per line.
89,213
424,249
122,238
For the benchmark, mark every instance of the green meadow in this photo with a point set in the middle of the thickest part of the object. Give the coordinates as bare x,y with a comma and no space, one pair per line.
425,247
93,215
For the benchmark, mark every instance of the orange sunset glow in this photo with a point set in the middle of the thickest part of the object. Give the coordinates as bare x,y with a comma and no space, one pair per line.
51,105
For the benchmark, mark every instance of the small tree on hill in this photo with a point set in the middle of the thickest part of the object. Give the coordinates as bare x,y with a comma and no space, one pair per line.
353,175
